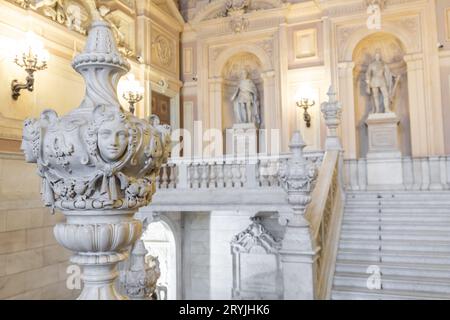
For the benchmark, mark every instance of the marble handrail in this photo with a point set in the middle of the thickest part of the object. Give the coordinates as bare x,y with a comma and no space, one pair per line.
324,214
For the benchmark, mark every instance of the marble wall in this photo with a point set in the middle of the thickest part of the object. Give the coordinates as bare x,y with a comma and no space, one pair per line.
443,27
207,259
32,264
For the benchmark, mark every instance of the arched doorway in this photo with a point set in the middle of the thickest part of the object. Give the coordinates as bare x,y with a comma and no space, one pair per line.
159,240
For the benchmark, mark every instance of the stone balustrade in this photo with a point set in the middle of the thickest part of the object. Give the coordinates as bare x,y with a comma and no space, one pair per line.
225,172
424,173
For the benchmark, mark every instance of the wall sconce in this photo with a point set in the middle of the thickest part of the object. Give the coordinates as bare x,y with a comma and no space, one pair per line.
133,92
305,103
32,57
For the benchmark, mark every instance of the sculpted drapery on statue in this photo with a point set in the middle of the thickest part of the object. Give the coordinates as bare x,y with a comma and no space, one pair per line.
97,164
246,101
381,81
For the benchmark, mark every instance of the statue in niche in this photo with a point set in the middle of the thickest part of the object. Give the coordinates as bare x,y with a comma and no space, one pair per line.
380,80
246,101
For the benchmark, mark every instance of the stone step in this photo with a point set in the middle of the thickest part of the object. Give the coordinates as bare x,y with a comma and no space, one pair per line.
396,235
404,208
434,258
395,269
377,195
398,209
409,245
404,283
354,293
396,226
405,234
394,218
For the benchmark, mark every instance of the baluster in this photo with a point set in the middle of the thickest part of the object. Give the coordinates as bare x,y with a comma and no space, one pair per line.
158,179
204,175
243,173
258,174
195,176
164,177
236,175
212,175
220,181
172,176
276,167
272,173
263,173
228,176
190,174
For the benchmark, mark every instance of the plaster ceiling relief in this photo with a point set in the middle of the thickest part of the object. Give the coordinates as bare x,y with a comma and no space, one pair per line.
242,61
225,8
74,15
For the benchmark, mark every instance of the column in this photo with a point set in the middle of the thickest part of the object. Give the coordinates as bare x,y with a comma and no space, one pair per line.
269,111
215,106
346,97
417,105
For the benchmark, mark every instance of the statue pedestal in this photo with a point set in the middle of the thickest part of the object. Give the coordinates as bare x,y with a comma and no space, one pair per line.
242,140
384,162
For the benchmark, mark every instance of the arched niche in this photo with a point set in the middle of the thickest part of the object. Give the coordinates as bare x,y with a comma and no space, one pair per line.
231,75
392,51
159,240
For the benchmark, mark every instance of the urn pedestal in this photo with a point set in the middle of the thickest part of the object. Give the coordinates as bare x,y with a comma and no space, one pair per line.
242,140
97,165
384,162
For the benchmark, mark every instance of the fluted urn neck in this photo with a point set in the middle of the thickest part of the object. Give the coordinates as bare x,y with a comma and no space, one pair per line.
101,66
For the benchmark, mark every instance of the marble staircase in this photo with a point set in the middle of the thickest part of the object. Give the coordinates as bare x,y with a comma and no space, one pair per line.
402,237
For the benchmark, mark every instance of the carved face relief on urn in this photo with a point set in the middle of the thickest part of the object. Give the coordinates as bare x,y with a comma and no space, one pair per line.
112,139
97,157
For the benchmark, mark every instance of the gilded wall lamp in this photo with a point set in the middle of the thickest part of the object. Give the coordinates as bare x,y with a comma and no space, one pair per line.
305,103
32,57
133,92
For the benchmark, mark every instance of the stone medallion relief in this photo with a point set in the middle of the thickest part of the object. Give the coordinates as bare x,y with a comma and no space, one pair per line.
163,52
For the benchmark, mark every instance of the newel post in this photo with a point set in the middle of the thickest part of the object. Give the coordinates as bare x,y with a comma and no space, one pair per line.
297,251
332,113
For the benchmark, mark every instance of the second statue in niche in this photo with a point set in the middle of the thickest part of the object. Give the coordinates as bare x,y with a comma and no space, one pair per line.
246,101
381,84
